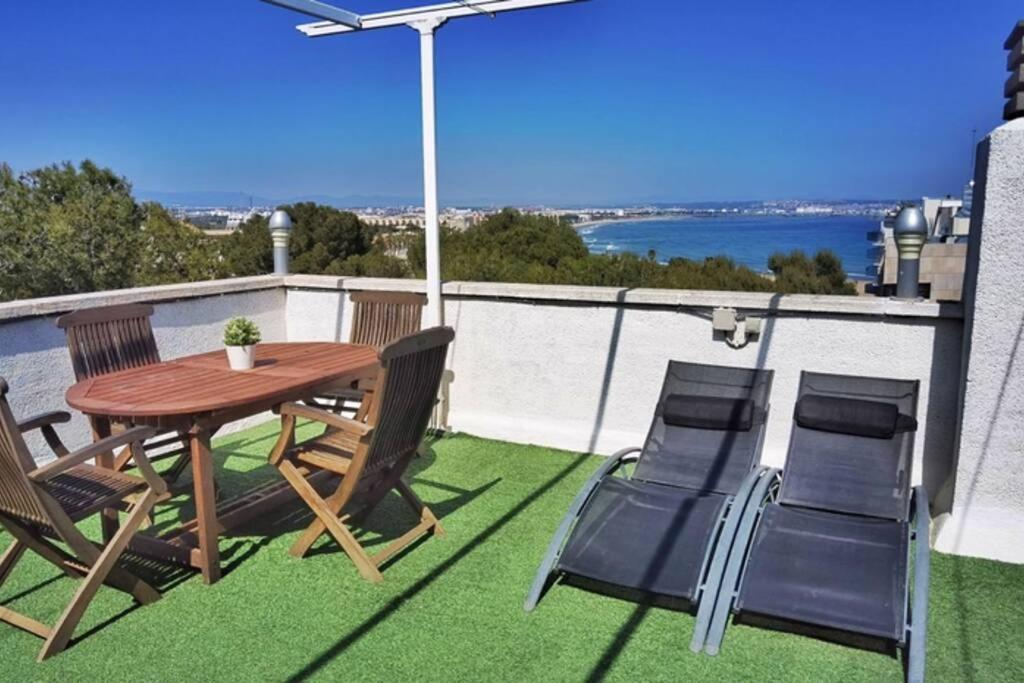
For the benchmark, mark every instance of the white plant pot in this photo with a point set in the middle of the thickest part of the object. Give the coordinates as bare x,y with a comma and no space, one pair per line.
241,357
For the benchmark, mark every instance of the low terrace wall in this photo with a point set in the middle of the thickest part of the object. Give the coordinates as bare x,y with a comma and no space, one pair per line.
581,367
569,367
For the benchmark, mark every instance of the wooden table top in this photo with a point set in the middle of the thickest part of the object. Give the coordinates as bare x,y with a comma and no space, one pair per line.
204,383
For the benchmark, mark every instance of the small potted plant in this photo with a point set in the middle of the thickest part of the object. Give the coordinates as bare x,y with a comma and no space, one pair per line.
240,338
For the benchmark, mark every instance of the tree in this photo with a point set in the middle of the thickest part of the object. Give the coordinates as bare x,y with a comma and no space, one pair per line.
171,251
65,230
796,273
505,247
375,264
323,241
247,251
324,237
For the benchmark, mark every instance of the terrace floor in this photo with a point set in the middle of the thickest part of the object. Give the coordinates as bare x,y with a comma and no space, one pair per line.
451,608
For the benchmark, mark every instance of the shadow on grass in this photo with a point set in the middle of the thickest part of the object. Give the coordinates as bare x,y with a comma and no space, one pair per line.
618,644
387,524
394,604
32,589
963,640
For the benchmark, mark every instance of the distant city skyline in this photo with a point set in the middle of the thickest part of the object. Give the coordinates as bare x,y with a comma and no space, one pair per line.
600,103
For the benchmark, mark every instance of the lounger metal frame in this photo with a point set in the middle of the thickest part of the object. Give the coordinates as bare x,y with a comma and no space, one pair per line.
545,572
915,611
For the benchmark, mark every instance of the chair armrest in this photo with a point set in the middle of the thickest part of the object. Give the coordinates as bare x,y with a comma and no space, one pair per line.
45,423
330,419
135,434
43,420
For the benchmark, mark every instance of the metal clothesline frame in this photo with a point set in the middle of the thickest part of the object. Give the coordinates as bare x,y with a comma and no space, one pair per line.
425,20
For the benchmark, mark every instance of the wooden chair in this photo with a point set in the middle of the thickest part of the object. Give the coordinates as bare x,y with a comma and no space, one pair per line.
378,318
114,338
370,454
40,504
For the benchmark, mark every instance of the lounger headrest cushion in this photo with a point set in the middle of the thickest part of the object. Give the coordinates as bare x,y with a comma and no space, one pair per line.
708,412
873,419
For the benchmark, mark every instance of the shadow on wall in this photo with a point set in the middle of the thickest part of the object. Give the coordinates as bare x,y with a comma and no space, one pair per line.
764,344
339,326
609,368
938,461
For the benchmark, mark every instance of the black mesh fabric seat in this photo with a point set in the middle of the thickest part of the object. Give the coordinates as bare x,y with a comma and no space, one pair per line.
654,531
644,536
836,571
833,550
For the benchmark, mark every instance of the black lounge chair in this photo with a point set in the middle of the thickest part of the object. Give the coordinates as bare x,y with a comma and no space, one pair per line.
830,551
654,533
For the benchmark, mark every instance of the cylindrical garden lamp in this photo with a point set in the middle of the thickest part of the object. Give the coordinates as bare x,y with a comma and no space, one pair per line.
280,233
910,232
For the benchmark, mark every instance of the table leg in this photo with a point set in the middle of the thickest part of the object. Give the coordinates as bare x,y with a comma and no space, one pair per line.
206,503
109,521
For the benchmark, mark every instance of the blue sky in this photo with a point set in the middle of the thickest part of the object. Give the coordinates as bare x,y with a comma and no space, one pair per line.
604,101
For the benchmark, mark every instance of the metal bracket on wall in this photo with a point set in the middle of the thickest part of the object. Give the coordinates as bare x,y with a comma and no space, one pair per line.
739,330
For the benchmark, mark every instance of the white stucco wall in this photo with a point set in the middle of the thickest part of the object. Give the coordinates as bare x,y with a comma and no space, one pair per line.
988,503
573,368
188,319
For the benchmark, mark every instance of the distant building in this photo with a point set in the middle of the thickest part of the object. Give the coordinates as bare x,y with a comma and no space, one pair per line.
944,257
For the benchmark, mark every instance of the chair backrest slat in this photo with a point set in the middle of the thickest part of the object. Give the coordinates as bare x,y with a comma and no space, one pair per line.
411,371
18,496
706,459
847,473
380,318
109,339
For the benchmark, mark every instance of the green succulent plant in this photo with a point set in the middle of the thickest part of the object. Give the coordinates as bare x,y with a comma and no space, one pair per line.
241,332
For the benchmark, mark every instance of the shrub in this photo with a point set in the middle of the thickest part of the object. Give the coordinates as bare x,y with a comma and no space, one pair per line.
241,332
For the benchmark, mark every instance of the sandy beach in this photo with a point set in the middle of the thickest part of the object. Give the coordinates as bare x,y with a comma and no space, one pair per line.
644,219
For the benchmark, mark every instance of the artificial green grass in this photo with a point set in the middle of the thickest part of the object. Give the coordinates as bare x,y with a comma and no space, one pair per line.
451,608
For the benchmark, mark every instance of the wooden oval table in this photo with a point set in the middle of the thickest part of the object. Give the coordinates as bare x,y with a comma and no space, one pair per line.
197,395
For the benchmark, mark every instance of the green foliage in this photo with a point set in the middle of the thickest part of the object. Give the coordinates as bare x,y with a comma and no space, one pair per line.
505,247
65,230
241,332
171,251
374,264
324,237
248,250
796,273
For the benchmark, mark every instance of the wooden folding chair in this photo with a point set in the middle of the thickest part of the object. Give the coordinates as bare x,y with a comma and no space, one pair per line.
370,454
378,318
40,504
112,338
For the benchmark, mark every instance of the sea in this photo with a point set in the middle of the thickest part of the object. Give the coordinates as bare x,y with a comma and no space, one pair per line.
748,240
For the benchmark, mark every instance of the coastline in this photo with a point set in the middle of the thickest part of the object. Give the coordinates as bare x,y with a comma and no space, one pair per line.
611,221
598,240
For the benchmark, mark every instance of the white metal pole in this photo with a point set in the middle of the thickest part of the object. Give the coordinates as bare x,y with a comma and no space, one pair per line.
435,308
